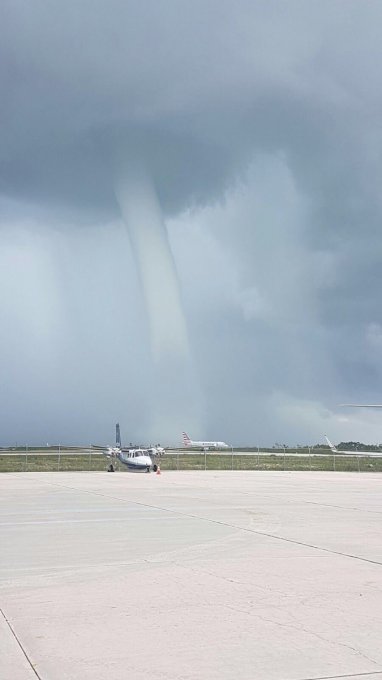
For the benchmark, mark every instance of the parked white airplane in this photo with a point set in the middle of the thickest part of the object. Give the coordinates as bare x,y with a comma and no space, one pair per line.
364,453
135,459
205,446
354,453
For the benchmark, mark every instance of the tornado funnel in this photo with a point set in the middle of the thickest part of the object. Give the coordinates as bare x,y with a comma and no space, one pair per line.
142,214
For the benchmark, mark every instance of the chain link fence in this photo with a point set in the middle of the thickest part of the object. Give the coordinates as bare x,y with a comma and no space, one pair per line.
31,460
288,461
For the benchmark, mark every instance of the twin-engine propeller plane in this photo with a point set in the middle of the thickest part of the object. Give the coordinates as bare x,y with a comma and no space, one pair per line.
135,459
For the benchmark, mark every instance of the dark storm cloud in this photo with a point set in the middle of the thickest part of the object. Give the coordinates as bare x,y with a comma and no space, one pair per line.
192,88
201,93
84,85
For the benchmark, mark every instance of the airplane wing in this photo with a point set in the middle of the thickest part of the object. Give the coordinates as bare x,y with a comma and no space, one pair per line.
363,405
133,448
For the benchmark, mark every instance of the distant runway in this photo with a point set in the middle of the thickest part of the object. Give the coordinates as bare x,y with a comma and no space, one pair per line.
192,452
217,575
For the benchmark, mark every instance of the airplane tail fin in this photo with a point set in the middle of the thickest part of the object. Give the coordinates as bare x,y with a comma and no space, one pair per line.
118,436
331,446
186,439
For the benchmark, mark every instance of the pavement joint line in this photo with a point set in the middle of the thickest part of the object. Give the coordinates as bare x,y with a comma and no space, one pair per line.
343,507
20,645
347,675
72,521
224,524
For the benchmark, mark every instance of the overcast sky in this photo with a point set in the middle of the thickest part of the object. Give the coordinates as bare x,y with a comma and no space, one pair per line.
259,125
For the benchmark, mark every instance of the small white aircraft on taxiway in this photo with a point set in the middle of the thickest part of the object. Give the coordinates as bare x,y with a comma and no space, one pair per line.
358,453
354,453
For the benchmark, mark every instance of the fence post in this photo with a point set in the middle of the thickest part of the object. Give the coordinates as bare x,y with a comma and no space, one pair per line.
205,459
334,462
258,457
310,462
26,457
231,457
284,457
59,458
90,459
358,464
177,460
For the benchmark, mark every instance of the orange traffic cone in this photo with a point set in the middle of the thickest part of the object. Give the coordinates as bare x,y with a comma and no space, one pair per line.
158,470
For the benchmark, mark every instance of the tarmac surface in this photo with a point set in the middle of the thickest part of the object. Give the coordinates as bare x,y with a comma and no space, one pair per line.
191,576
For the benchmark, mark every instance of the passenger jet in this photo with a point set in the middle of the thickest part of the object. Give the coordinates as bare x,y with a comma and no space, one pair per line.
205,446
354,453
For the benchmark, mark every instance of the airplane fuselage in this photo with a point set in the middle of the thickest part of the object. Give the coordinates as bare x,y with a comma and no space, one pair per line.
206,445
355,452
136,460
